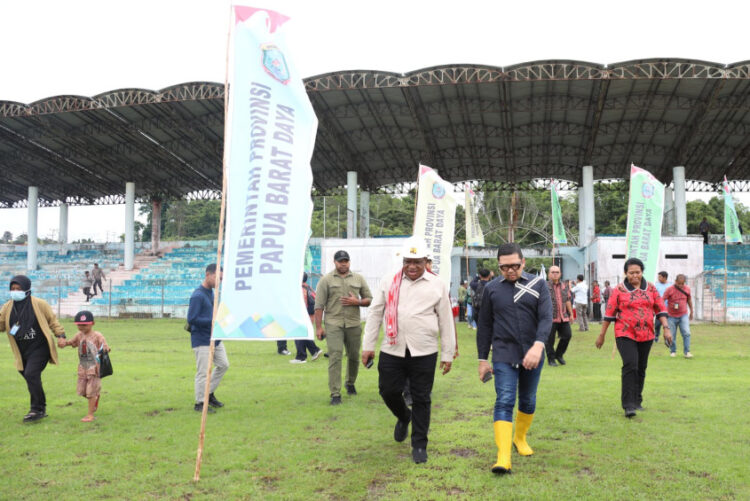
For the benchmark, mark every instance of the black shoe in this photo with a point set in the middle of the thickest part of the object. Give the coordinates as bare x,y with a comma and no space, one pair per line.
401,430
213,402
34,416
629,413
336,400
419,455
199,408
639,407
350,389
551,362
561,360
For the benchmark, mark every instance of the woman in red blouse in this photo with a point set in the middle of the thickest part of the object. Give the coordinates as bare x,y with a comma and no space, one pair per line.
632,307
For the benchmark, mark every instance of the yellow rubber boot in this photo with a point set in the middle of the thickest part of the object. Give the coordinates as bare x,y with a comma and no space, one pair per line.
503,433
523,423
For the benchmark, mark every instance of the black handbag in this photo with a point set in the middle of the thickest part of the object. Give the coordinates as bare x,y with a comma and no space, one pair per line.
105,364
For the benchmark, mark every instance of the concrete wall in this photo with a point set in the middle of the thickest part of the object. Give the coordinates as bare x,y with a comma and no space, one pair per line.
610,268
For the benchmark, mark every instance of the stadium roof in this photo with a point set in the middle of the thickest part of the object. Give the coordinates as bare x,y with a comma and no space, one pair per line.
502,127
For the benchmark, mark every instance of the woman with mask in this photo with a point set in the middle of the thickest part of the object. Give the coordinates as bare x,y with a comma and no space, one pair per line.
31,325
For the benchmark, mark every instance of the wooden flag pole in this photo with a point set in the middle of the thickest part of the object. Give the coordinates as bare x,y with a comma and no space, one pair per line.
202,434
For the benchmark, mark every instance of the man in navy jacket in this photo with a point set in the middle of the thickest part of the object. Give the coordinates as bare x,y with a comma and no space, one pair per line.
200,317
514,321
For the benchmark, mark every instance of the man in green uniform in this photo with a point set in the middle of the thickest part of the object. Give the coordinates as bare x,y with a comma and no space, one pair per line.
340,294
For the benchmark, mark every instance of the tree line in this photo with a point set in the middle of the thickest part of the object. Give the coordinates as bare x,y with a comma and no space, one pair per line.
528,212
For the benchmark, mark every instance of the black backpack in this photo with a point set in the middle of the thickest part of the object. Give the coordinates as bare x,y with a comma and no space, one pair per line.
479,293
310,300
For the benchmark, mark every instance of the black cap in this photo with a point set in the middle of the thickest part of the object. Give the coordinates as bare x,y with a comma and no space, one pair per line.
341,255
84,317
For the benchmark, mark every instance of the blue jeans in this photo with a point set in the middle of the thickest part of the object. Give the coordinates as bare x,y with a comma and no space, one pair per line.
508,378
684,323
470,316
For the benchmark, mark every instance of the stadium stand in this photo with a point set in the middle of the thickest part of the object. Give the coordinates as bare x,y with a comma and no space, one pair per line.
59,272
738,281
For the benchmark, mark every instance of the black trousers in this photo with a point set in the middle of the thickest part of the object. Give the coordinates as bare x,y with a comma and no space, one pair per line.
99,283
393,372
33,365
597,311
563,332
634,362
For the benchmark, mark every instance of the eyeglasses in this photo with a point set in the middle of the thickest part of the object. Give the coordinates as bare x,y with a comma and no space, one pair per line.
514,267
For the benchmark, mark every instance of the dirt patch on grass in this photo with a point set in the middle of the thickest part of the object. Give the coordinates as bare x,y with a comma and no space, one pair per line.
585,472
153,413
463,452
376,487
269,481
455,491
700,474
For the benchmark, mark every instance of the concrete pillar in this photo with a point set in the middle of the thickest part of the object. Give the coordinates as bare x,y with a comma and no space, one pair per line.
668,226
581,217
155,224
364,210
31,243
680,209
588,194
129,225
63,236
351,204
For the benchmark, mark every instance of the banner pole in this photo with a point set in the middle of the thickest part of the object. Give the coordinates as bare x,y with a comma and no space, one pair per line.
217,285
725,279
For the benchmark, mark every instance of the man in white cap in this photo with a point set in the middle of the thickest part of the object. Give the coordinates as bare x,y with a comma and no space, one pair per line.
415,307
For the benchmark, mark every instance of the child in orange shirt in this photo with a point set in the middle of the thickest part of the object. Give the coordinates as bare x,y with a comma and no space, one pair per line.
90,344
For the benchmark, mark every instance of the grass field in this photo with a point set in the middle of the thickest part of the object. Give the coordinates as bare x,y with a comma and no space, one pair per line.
277,437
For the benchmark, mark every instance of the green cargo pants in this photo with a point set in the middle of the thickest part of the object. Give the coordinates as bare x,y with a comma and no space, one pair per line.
337,338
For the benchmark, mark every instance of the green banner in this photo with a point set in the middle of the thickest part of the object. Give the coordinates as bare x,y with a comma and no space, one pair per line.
731,223
645,213
558,230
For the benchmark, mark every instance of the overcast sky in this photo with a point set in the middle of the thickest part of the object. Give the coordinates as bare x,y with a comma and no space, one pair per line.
86,47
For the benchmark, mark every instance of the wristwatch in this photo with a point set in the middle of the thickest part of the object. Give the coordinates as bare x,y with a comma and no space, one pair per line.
61,336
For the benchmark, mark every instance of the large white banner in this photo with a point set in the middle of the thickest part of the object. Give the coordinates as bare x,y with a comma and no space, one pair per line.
645,214
269,141
435,220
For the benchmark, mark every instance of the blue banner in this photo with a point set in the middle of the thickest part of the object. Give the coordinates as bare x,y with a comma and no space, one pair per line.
269,139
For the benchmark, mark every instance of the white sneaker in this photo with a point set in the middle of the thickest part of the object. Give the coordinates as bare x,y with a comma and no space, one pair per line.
317,355
688,355
285,352
673,354
297,361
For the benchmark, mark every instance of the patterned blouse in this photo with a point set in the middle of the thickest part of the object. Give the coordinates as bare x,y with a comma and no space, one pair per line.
632,310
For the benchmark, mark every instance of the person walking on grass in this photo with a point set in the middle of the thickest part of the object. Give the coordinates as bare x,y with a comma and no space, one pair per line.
632,308
200,317
415,310
661,285
90,344
31,326
679,301
305,345
514,324
562,312
581,300
340,294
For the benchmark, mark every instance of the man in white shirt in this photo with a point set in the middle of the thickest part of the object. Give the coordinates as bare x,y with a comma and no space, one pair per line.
415,309
580,292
